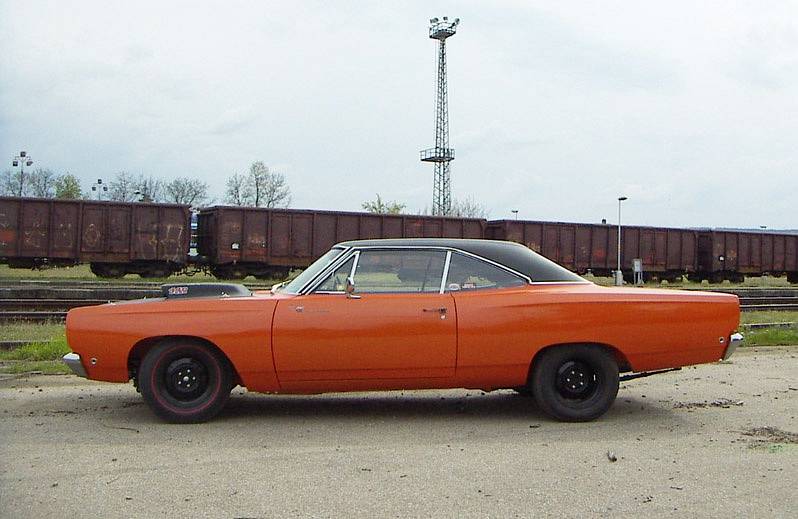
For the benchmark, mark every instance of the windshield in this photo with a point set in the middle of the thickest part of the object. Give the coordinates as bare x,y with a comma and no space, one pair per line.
312,271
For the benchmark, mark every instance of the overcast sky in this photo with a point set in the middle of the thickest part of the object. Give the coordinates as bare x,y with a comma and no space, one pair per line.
557,108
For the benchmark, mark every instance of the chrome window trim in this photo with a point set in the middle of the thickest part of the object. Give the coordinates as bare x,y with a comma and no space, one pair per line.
445,275
308,288
354,264
321,276
355,251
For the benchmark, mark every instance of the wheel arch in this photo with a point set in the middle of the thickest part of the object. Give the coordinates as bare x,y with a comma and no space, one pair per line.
142,347
623,363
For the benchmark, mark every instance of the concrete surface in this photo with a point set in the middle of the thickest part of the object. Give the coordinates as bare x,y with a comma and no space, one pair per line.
690,443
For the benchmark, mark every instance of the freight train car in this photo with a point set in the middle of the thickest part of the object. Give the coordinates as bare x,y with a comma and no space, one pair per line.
665,253
238,241
732,254
115,238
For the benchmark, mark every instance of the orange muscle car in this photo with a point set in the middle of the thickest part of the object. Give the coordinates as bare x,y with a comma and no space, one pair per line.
402,314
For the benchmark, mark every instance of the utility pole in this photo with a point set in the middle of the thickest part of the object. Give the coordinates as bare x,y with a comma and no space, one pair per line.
441,155
619,272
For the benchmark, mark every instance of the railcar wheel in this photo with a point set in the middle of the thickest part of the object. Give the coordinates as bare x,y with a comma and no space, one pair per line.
792,277
184,381
575,383
230,272
108,270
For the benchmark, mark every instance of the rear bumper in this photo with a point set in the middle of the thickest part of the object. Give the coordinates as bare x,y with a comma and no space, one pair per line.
73,361
734,341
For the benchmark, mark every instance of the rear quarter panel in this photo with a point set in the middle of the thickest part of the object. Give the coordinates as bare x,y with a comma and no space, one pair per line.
500,331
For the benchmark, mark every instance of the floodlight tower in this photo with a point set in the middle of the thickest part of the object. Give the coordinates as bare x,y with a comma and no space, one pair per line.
441,155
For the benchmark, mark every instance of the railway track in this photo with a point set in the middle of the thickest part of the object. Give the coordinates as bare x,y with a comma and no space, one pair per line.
43,301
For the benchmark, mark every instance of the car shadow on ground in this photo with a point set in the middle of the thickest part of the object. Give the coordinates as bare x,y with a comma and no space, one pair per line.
505,405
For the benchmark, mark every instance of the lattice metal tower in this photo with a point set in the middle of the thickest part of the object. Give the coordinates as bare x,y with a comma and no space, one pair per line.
441,155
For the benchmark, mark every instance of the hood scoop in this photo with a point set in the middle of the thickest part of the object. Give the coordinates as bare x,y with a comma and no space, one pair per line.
189,290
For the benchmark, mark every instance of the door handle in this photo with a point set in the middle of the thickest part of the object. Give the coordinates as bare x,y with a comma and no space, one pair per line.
441,311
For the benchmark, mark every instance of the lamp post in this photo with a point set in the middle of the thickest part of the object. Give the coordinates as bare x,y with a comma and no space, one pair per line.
515,212
619,272
22,160
99,188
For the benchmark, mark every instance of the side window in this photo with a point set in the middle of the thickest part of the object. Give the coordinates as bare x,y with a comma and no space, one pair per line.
403,271
466,273
337,280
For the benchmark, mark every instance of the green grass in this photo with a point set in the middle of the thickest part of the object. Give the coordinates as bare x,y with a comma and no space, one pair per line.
769,317
35,351
772,337
46,367
19,331
43,355
764,281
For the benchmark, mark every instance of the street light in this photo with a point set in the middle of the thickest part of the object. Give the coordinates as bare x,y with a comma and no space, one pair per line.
515,212
619,272
21,160
99,188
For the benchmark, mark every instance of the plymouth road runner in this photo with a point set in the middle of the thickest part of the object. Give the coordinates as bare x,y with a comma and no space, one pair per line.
402,314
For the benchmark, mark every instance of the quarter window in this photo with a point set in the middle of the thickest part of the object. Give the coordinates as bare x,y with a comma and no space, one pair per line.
466,273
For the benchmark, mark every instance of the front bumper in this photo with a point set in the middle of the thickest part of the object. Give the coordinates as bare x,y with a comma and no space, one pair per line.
73,361
734,341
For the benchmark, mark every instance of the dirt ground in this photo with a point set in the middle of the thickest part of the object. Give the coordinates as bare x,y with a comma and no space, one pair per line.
718,440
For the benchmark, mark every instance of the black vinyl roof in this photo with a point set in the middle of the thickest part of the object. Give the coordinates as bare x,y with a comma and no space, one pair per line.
510,254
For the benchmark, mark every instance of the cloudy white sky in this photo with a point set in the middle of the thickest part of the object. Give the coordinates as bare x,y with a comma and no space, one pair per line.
688,108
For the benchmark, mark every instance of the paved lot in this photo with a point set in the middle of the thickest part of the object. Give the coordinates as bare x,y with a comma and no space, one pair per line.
690,443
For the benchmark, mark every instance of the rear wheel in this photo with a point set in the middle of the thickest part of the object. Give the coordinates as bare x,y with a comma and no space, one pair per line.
184,381
575,383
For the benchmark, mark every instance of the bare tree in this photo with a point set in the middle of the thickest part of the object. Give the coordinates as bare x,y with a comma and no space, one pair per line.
259,187
42,183
267,189
13,183
184,190
468,208
122,188
67,187
150,189
381,206
236,192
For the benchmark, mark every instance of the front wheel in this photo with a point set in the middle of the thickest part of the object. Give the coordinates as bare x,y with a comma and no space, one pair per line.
575,383
184,381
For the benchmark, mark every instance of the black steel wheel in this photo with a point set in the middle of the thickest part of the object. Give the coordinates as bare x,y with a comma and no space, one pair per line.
575,383
184,381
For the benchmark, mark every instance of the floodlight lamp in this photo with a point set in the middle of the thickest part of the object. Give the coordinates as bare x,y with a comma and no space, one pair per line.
457,20
94,188
23,154
445,18
29,163
15,163
99,181
434,20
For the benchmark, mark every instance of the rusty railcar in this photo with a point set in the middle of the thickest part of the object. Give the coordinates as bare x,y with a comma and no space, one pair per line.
665,253
268,243
732,254
115,238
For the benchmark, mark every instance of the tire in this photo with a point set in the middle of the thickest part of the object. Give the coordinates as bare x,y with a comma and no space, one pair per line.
555,369
205,372
523,391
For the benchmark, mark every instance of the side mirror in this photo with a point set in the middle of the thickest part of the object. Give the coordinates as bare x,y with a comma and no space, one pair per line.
350,288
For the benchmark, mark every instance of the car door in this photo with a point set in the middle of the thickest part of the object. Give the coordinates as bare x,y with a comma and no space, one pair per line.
397,325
